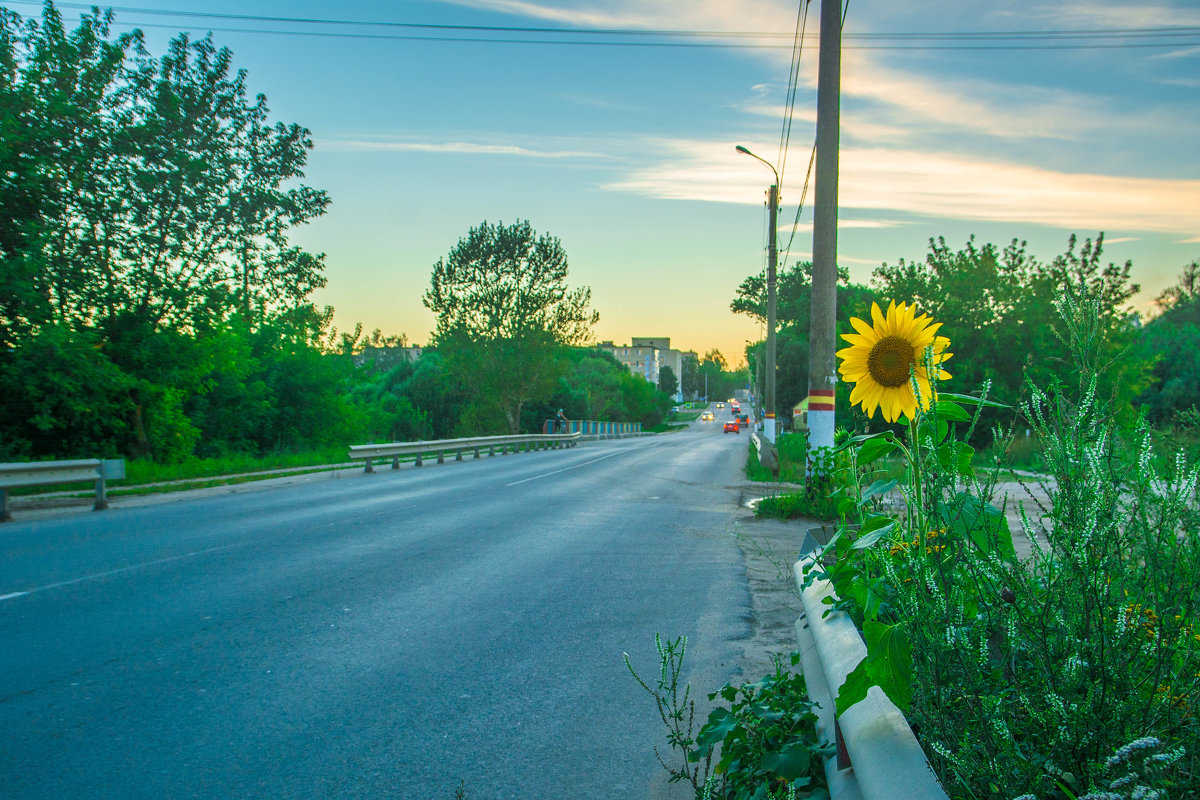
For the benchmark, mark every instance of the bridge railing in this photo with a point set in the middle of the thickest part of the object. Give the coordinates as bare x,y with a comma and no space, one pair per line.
591,427
440,447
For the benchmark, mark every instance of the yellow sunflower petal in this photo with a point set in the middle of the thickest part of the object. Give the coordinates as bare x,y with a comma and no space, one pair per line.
866,330
879,320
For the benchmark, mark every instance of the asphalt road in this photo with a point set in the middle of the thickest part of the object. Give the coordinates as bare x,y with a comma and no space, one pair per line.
373,636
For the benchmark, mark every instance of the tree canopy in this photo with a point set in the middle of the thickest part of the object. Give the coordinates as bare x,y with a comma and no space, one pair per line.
503,311
146,275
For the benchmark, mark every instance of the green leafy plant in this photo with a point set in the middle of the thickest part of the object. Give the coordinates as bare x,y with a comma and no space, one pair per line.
767,738
765,741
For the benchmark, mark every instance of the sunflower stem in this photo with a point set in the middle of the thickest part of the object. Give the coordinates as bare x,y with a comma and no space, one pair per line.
916,515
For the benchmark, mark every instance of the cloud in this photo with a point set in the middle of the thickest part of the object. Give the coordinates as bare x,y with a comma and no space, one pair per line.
873,224
1186,52
1123,239
457,148
1193,240
934,184
1118,15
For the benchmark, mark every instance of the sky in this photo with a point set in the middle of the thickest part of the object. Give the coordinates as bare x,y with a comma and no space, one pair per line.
625,150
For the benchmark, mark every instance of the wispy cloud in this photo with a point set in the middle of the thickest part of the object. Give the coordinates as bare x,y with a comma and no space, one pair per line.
1183,52
1117,15
1193,240
937,184
874,224
457,148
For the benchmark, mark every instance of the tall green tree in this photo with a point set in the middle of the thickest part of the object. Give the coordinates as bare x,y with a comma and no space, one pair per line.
689,379
149,187
503,309
145,204
668,383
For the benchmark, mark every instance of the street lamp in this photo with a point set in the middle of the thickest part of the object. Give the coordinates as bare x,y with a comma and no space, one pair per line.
772,254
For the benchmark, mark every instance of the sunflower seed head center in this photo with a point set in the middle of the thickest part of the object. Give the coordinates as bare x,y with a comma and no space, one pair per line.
890,361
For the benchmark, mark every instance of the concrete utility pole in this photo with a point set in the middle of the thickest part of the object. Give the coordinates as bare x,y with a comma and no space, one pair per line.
822,369
772,262
768,403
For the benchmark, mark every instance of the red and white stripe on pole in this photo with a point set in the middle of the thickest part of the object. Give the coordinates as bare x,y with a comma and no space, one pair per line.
820,417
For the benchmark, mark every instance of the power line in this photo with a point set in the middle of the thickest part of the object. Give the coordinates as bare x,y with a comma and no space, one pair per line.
980,40
785,136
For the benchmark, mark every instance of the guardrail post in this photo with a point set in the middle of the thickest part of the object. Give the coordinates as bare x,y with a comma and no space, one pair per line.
101,495
5,514
369,468
419,462
395,462
441,456
458,457
491,451
477,452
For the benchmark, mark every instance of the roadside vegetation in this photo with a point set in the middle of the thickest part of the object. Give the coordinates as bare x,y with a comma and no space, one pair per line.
152,306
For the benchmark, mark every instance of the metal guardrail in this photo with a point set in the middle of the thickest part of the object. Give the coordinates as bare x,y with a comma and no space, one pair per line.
46,473
877,752
439,447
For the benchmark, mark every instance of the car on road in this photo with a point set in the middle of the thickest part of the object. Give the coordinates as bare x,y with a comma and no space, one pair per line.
744,420
732,427
720,405
707,416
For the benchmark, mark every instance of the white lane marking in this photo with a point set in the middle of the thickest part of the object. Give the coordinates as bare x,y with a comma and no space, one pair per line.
119,571
564,469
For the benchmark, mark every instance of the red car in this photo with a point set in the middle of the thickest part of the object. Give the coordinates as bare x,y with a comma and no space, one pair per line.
732,427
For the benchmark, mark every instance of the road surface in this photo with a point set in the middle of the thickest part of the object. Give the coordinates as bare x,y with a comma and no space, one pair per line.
373,636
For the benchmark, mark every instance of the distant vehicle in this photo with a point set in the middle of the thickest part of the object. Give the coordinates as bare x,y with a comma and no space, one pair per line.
732,427
744,420
707,416
720,405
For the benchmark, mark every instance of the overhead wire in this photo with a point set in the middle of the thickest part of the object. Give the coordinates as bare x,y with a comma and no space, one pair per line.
1062,39
785,135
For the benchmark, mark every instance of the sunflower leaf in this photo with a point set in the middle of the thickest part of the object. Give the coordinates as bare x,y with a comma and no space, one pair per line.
951,412
864,437
966,399
872,531
874,449
876,489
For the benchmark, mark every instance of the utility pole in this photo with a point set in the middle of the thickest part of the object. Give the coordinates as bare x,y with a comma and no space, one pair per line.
772,258
822,369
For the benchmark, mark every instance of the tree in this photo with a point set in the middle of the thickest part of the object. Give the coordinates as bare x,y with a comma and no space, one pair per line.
1171,340
150,188
689,381
143,246
503,308
998,309
668,384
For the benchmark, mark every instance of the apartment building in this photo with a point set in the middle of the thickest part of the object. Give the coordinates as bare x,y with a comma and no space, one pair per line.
647,355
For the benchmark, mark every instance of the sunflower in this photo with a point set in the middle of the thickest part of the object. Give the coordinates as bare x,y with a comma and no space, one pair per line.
883,356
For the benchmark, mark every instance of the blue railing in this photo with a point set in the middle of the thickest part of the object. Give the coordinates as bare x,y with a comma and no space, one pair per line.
590,427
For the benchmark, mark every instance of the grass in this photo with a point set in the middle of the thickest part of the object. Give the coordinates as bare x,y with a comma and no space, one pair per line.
665,427
141,476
